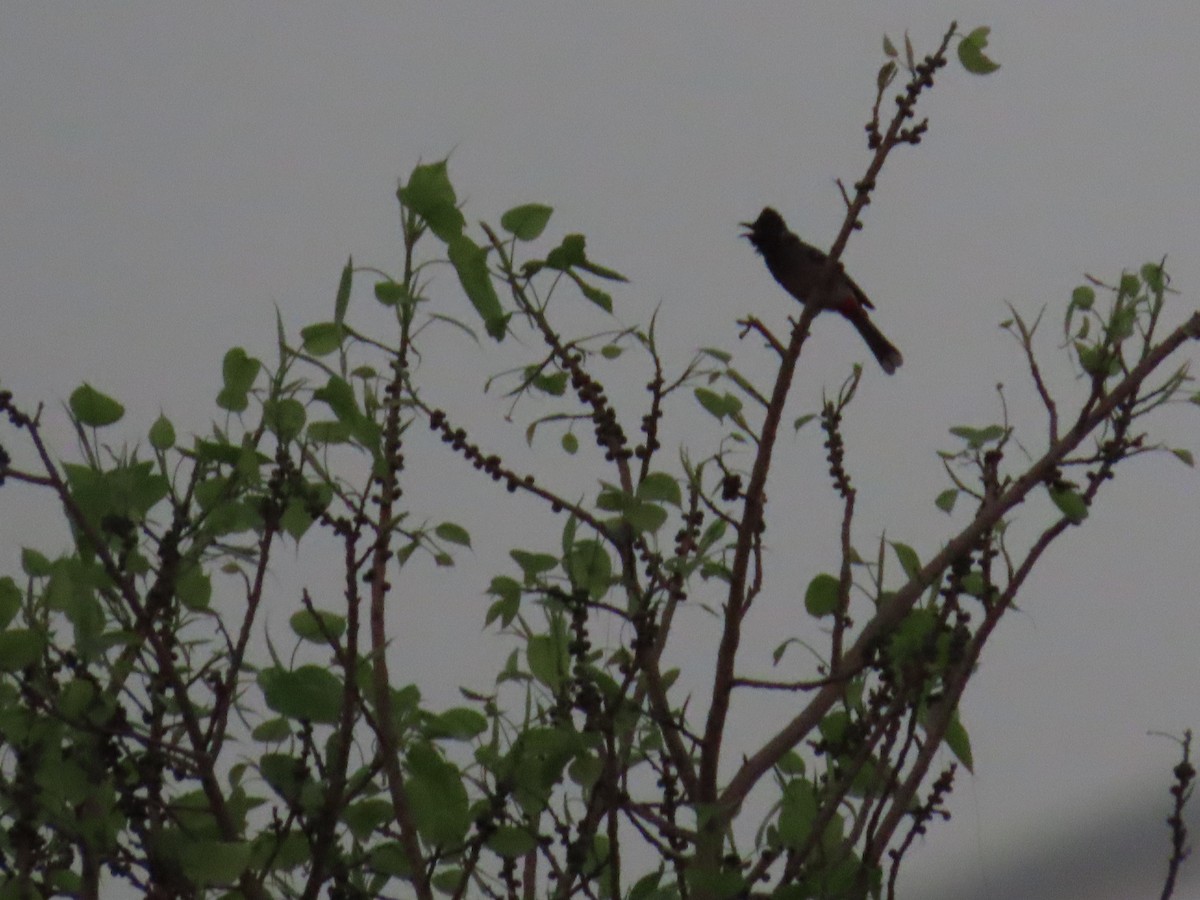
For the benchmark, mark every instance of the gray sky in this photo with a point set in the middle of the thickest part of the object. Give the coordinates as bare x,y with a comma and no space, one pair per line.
171,172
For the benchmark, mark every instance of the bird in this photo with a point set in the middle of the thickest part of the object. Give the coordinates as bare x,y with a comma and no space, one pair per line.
801,269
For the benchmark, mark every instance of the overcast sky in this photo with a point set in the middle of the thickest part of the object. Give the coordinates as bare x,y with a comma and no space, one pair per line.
170,173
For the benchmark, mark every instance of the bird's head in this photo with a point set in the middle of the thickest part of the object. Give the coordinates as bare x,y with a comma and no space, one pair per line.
768,227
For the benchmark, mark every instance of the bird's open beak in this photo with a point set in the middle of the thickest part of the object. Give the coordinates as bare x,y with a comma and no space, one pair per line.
750,226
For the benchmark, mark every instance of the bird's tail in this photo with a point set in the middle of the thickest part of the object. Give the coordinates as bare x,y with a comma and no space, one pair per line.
887,354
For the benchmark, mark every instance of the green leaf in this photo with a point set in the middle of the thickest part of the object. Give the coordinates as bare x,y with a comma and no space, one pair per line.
234,517
436,796
589,567
527,222
342,301
315,625
1184,456
713,533
389,858
1097,360
909,640
297,517
946,499
781,648
821,597
1155,277
272,731
459,723
1070,503
973,583
976,438
554,383
614,500
1129,285
214,862
284,773
585,770
328,432
570,527
285,417
909,561
364,817
447,880
601,271
886,75
533,564
390,293
281,853
309,693
128,491
35,564
162,434
717,404
68,883
194,588
1083,297
430,195
71,590
510,841
660,486
93,408
728,884
239,372
870,779
834,726
322,338
889,49
959,742
470,262
454,534
547,658
570,443
971,55
791,763
77,697
601,298
221,452
531,267
797,812
20,647
646,888
10,601
538,759
339,396
645,517
508,592
567,254
1123,320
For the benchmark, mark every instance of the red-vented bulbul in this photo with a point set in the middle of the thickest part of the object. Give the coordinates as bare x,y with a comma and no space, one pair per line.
800,269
